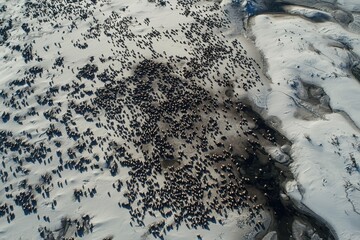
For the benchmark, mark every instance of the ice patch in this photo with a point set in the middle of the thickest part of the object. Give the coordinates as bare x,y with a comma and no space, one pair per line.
253,7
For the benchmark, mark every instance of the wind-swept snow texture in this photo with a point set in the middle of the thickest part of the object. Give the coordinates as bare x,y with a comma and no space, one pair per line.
124,120
313,64
135,119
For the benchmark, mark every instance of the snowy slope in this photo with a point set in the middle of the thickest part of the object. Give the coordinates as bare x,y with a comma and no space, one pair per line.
84,155
316,96
134,119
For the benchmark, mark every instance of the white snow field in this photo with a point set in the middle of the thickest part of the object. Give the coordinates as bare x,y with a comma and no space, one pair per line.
316,96
152,119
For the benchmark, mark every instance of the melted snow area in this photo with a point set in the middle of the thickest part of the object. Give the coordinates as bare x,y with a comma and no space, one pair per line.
179,119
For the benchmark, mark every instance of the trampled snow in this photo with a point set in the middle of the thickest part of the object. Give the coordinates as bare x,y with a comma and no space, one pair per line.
113,110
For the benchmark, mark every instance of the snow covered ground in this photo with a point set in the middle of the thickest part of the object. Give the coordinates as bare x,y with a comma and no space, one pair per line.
131,119
117,120
315,94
